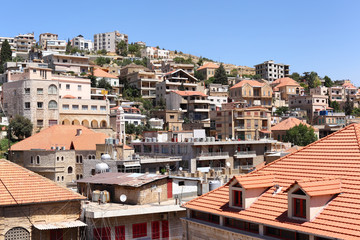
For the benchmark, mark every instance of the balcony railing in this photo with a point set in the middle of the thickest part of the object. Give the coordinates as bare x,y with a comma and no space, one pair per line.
208,154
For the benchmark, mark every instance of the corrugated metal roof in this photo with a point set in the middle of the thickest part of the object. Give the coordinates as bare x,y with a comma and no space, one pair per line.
60,225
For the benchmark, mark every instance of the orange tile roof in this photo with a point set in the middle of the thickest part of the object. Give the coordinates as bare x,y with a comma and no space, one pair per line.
253,83
102,74
289,123
348,85
282,82
209,65
318,187
190,93
62,136
255,180
334,156
69,96
28,187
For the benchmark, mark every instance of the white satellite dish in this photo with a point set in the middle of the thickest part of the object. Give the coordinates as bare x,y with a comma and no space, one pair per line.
123,198
228,164
180,168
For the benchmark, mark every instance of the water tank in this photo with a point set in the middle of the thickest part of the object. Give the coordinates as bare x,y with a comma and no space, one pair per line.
95,195
213,184
101,168
104,196
105,157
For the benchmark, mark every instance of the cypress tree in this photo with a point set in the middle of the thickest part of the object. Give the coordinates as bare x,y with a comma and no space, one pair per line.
5,54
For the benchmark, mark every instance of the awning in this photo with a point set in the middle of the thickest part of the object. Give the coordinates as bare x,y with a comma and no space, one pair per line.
60,225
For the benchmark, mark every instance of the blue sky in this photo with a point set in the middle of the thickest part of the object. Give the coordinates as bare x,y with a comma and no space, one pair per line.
321,35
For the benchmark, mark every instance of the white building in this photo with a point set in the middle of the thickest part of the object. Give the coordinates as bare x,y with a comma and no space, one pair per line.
156,123
82,44
44,37
58,46
153,53
109,40
120,125
24,42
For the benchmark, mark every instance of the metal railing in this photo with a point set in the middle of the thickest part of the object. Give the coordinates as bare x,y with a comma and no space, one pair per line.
213,154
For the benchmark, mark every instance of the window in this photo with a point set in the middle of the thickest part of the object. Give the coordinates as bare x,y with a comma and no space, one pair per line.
119,232
65,106
79,87
205,217
67,86
32,160
285,234
52,104
70,170
93,107
62,178
181,183
52,89
27,90
237,195
40,122
238,224
165,229
37,159
139,230
56,234
17,233
75,107
155,230
172,116
102,108
102,233
27,105
299,208
39,105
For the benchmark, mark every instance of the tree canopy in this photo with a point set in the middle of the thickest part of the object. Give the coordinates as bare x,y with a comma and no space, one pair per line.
220,75
20,127
102,61
5,54
102,83
281,110
122,48
312,79
328,82
348,106
300,135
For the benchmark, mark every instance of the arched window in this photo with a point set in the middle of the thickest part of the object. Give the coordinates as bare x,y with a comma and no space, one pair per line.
93,156
31,159
62,158
62,178
80,159
37,159
70,170
77,158
52,89
52,104
17,233
58,178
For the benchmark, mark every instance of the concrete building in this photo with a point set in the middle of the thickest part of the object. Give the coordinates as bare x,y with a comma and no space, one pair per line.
340,93
253,92
24,42
251,206
154,53
44,37
58,46
81,43
156,123
67,63
27,214
169,66
328,121
57,152
208,70
108,41
310,103
145,82
320,90
172,118
132,68
271,71
132,115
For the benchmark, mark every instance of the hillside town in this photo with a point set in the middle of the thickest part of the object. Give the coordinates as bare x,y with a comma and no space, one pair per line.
110,139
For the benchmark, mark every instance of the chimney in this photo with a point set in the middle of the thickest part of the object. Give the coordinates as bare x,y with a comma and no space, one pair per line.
78,132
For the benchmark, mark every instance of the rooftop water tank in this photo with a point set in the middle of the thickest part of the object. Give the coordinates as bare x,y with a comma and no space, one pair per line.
213,184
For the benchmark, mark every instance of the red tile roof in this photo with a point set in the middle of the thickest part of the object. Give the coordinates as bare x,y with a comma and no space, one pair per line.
209,65
319,187
289,123
255,181
253,83
282,82
69,96
28,187
190,93
348,85
334,156
102,74
62,136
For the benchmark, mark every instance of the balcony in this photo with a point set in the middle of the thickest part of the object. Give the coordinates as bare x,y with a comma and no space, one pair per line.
245,154
241,127
199,101
201,110
159,159
212,156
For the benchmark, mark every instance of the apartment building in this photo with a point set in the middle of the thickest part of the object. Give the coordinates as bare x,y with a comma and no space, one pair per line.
58,46
169,66
310,103
286,199
27,214
10,40
44,37
131,115
320,90
145,82
287,86
340,93
18,67
176,80
208,70
24,42
108,41
61,63
328,121
271,71
131,68
155,53
81,43
57,152
255,93
172,118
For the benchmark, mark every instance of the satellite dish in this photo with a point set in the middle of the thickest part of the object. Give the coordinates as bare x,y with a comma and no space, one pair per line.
228,164
180,168
123,198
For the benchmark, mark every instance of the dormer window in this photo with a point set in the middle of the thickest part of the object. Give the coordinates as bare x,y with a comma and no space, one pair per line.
299,208
238,202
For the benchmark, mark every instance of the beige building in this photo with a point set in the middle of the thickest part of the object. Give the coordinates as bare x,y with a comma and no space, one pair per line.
145,82
58,46
169,66
208,70
108,41
172,118
310,103
67,63
44,37
131,68
24,42
286,87
255,93
25,212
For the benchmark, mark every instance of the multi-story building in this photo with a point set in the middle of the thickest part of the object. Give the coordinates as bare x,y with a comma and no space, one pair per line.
145,82
155,53
101,74
81,43
279,130
18,67
44,37
176,80
169,66
131,68
271,71
310,103
57,152
27,214
287,86
218,95
208,70
108,41
340,93
320,90
58,46
172,118
328,121
10,40
61,63
24,42
308,194
255,93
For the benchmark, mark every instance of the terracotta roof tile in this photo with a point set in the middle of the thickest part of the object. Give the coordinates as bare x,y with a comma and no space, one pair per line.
102,74
282,82
255,180
325,162
28,187
289,123
190,93
209,65
253,83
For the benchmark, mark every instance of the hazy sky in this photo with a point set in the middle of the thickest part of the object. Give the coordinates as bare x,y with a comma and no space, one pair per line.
321,35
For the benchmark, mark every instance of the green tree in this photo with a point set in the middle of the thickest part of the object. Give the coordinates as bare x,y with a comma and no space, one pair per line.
104,84
68,47
220,75
200,62
5,54
328,82
296,76
199,75
281,110
20,127
356,112
93,80
335,105
312,79
300,135
348,106
101,61
234,72
122,48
